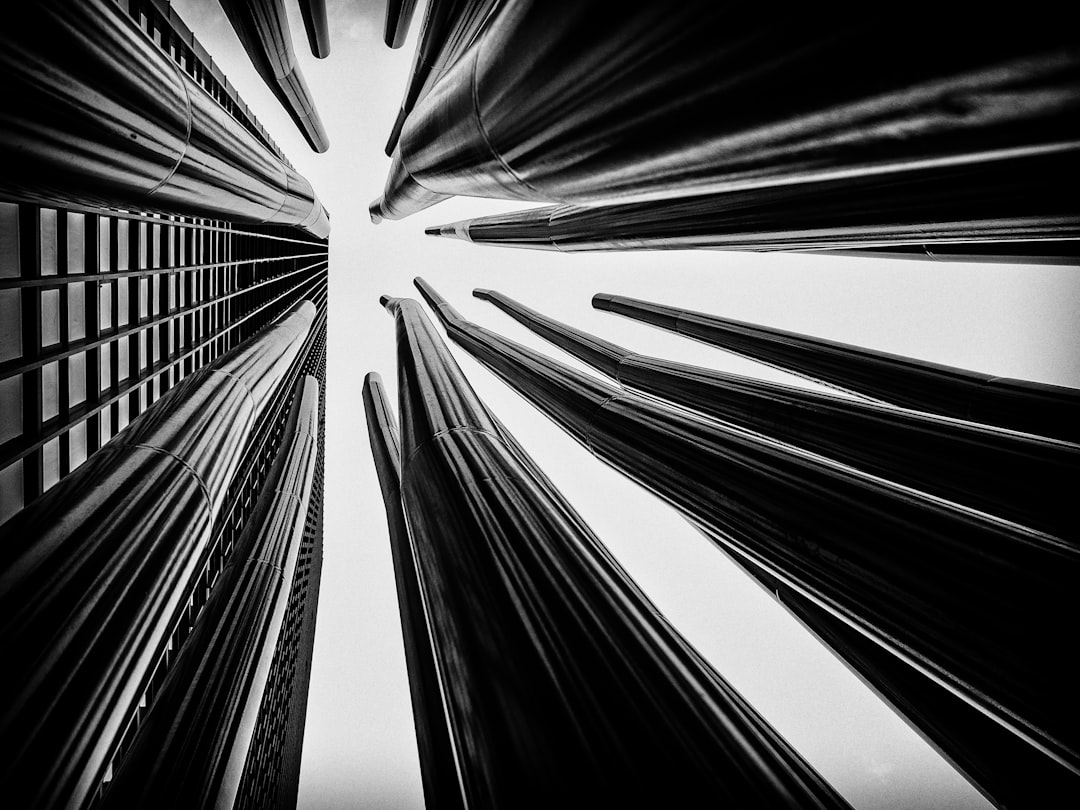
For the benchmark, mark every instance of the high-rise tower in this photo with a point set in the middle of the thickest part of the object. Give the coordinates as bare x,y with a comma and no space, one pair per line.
163,288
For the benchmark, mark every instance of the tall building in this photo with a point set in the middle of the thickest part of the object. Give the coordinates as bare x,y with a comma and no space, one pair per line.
163,290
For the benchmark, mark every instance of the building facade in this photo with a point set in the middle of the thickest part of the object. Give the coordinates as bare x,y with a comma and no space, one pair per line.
151,234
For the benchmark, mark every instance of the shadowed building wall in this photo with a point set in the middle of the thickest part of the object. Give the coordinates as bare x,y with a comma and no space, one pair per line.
149,229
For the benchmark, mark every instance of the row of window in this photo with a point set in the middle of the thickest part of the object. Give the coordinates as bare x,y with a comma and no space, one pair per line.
77,243
87,342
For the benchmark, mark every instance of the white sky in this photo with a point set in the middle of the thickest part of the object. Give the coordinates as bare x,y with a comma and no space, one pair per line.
359,748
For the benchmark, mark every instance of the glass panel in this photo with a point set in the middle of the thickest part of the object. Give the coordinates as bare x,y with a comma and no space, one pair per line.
122,417
10,325
122,244
50,464
50,388
105,426
76,310
76,379
122,363
9,240
50,317
142,247
105,366
11,408
123,286
47,220
105,294
155,246
76,243
103,244
76,445
11,490
144,297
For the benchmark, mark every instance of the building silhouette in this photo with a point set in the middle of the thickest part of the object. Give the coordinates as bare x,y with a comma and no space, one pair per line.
163,289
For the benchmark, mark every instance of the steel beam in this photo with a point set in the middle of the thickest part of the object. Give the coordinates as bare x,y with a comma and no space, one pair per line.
316,27
1023,478
569,102
263,29
449,27
976,603
1030,407
438,768
399,14
1006,770
985,210
563,684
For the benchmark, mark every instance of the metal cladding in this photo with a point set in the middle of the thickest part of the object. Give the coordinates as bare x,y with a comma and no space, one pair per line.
1024,478
437,764
1008,771
1040,251
96,571
263,29
316,27
567,102
976,603
448,29
563,684
399,14
1031,407
190,749
115,122
401,196
978,208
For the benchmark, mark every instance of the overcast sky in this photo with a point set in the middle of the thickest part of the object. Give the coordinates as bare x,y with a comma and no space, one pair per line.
359,749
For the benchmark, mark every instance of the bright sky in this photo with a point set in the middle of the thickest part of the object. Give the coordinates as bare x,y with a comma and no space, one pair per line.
359,748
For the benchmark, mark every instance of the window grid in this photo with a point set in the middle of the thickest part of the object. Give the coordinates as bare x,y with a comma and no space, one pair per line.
111,318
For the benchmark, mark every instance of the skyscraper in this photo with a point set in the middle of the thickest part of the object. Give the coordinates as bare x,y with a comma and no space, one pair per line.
163,288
